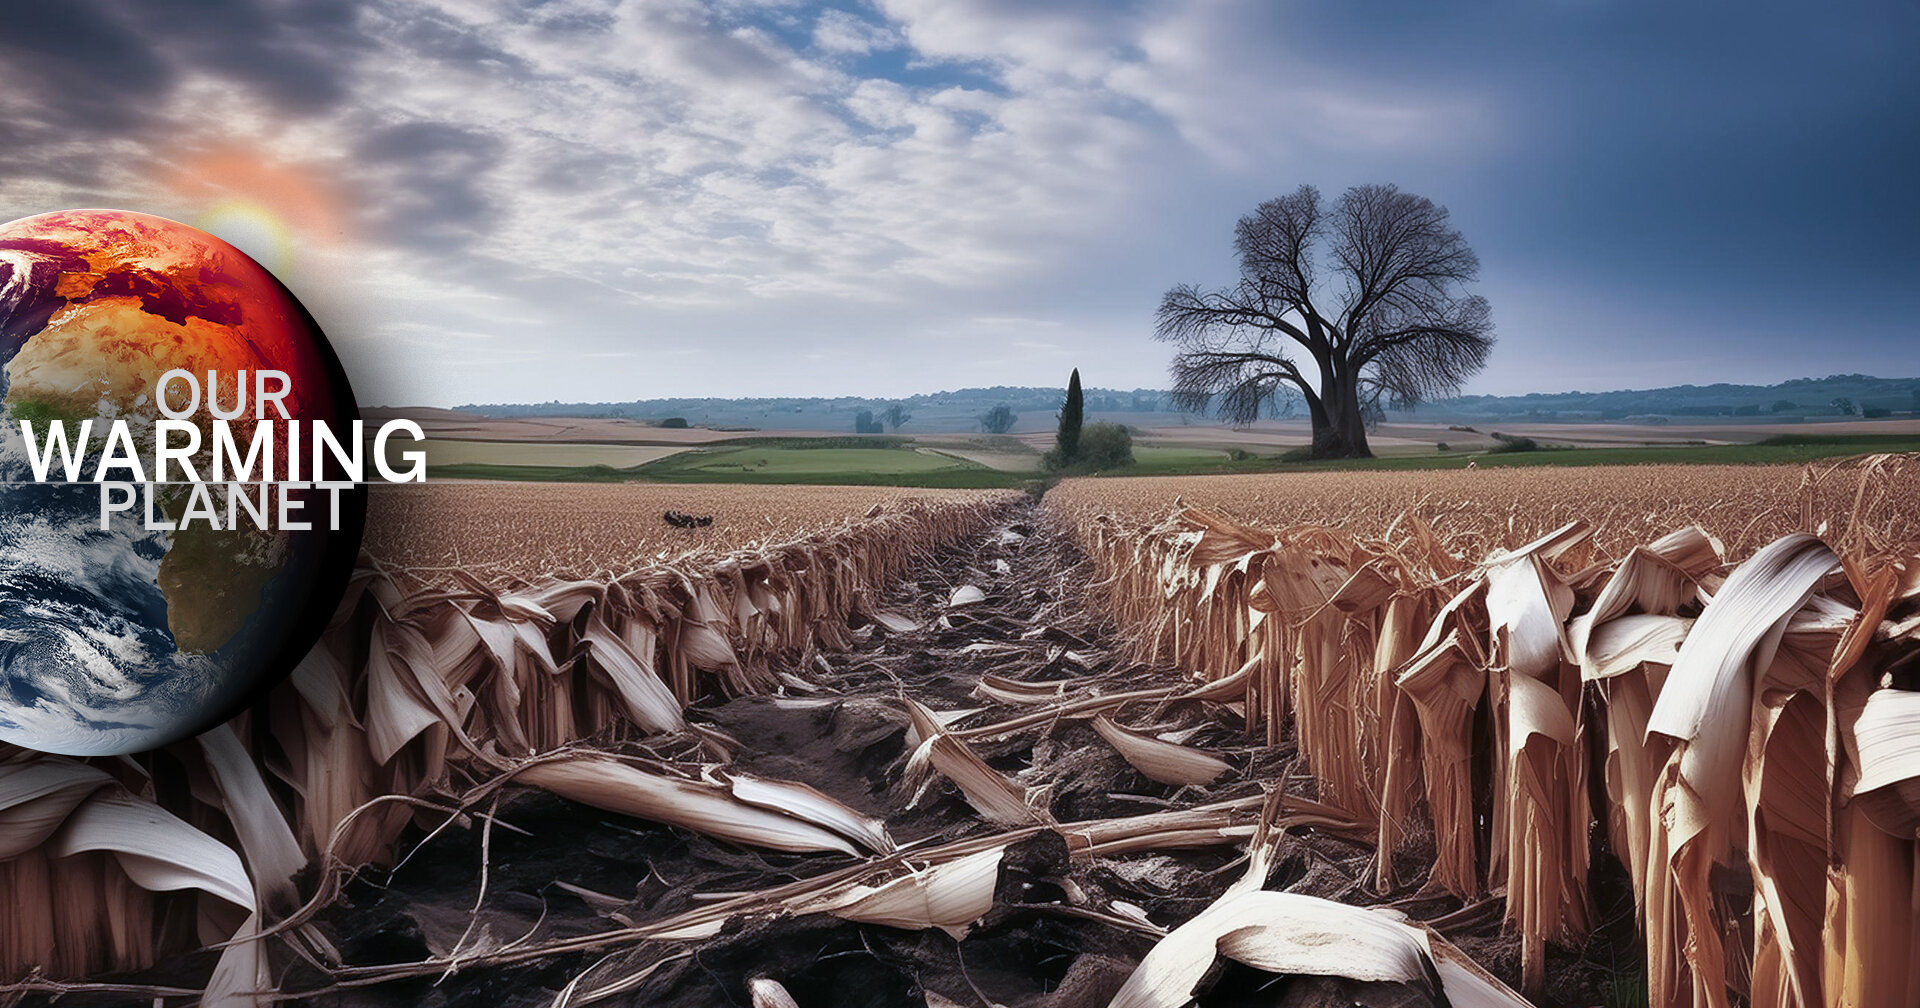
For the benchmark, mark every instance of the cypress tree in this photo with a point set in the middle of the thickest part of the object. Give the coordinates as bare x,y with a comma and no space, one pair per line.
1067,441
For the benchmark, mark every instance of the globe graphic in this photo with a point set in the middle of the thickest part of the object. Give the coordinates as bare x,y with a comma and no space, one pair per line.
124,638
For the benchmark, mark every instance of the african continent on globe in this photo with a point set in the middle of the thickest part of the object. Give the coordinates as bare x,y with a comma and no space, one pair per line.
121,639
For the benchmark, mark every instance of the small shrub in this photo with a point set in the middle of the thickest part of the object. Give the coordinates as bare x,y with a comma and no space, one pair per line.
1510,443
1102,446
1106,446
1443,446
675,422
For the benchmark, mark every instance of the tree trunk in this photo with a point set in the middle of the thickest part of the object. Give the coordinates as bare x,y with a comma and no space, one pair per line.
1316,412
1344,434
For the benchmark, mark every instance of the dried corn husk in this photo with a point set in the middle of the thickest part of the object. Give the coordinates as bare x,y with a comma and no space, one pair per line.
155,848
805,802
965,595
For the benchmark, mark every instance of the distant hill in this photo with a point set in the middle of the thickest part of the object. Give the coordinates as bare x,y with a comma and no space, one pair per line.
1801,398
959,410
937,412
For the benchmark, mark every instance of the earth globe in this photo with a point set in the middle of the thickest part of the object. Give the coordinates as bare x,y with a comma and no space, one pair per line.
118,634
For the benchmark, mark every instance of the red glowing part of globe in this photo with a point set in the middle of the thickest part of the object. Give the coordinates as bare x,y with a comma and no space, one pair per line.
151,294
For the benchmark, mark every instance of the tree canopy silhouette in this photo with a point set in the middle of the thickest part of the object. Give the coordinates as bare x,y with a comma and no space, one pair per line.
1401,329
999,420
1066,441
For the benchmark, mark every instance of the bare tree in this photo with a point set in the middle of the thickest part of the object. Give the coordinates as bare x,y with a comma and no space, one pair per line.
1403,329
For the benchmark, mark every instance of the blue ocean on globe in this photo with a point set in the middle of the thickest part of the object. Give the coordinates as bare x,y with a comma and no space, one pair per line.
87,665
88,662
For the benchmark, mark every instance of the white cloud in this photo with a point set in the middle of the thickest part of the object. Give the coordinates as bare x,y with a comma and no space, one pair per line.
837,31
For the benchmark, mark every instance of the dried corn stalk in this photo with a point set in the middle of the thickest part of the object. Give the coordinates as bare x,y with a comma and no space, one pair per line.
1703,707
1778,774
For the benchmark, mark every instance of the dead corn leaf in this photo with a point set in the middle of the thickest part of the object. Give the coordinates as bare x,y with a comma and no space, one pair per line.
949,896
767,992
997,799
1160,760
1295,934
965,595
710,808
1888,736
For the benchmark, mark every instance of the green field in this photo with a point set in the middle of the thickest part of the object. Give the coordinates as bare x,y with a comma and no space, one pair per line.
1152,456
802,462
899,461
875,461
805,464
1783,450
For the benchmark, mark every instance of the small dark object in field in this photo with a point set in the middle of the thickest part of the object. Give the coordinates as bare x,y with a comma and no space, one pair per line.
680,519
1510,443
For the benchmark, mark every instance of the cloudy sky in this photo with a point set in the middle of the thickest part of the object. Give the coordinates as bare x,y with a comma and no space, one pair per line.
591,200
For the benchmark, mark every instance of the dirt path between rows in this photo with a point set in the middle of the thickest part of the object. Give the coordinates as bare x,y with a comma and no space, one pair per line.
551,868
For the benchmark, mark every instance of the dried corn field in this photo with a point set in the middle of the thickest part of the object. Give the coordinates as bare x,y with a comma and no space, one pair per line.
1402,741
432,681
1735,727
1477,510
578,529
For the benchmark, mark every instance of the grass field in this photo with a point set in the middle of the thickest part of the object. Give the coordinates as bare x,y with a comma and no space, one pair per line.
1787,449
807,462
442,453
853,461
961,462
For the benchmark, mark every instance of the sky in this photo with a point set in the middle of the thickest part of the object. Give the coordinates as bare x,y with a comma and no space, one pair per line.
585,200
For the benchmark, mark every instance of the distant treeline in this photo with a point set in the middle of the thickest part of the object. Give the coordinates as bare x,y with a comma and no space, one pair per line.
712,410
1832,396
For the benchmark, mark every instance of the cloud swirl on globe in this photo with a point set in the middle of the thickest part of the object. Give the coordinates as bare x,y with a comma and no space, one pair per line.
121,639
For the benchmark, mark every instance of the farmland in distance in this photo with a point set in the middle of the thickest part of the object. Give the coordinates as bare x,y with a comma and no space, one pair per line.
534,529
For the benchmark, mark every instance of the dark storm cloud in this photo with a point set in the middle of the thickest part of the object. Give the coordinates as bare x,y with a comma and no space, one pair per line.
431,178
300,55
94,68
89,69
100,66
83,71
